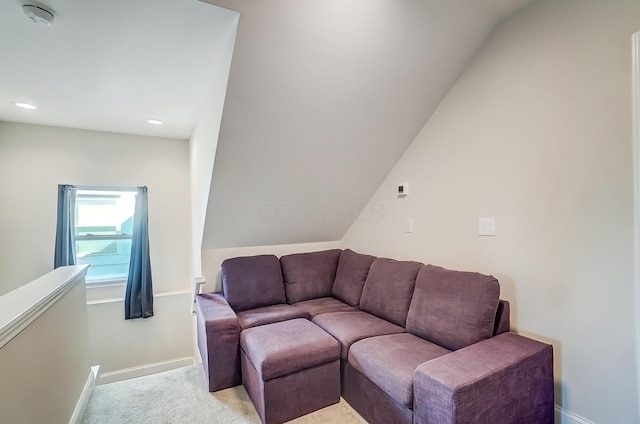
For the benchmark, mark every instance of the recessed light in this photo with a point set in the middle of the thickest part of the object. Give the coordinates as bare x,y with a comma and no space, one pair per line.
22,105
154,122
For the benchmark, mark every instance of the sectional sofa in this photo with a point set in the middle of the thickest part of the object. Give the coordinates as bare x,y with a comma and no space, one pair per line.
418,343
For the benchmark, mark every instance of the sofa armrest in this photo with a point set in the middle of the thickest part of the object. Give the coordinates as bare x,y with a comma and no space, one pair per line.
218,340
505,379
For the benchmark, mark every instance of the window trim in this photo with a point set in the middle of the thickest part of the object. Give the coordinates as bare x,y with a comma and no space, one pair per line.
106,188
101,281
104,237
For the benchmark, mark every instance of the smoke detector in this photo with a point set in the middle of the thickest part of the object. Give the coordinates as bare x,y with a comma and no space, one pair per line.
39,13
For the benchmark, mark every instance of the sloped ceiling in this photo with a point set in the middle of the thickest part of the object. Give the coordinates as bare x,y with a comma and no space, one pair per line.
323,98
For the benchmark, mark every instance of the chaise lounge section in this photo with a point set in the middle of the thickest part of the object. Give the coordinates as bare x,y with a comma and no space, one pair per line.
417,343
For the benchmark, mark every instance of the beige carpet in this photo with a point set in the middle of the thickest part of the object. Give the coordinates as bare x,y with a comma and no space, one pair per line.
181,396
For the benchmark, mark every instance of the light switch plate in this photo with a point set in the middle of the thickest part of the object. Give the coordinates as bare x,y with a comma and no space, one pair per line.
487,226
408,225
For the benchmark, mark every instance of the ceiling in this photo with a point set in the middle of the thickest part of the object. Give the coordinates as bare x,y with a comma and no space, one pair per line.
111,65
324,96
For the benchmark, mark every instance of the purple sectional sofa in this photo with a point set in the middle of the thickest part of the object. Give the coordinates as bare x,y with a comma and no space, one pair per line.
418,343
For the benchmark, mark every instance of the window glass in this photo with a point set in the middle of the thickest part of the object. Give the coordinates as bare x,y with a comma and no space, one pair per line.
104,224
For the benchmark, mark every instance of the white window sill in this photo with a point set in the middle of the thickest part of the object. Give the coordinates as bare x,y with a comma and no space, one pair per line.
107,281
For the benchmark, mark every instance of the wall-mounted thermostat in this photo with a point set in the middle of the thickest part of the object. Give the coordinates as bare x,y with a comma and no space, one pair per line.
403,190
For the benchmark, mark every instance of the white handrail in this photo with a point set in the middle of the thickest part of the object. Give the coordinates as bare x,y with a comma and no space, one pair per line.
22,306
200,281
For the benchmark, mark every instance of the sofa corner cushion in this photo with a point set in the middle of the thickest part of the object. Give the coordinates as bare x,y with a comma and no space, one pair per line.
352,272
252,281
454,309
323,305
309,275
388,289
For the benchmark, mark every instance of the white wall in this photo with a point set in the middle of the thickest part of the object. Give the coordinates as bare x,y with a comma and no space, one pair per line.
119,345
45,367
537,133
212,258
323,98
204,140
34,160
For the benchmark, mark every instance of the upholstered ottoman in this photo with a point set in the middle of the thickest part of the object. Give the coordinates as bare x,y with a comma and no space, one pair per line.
290,369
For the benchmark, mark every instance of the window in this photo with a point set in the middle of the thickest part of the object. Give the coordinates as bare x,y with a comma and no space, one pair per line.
103,228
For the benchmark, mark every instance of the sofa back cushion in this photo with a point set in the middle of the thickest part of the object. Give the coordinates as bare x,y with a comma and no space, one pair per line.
388,289
252,281
309,275
353,269
453,308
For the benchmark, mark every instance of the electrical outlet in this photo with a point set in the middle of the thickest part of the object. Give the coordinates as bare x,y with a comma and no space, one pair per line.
487,227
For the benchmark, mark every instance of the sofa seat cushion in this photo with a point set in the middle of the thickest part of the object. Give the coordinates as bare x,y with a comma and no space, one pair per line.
309,275
349,327
352,272
252,281
388,289
269,315
323,305
286,347
390,362
454,309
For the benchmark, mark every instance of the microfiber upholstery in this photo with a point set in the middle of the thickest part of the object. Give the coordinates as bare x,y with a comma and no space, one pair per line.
388,289
269,315
218,338
309,275
252,281
353,269
453,308
400,341
286,347
323,305
506,379
390,362
349,327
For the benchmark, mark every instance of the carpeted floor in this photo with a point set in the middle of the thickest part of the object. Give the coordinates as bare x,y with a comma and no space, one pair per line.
180,396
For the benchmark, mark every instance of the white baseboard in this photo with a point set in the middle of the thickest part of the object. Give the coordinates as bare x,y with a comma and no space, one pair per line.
567,417
127,373
87,391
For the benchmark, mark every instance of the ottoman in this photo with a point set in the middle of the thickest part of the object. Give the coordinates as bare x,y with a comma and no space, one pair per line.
290,369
